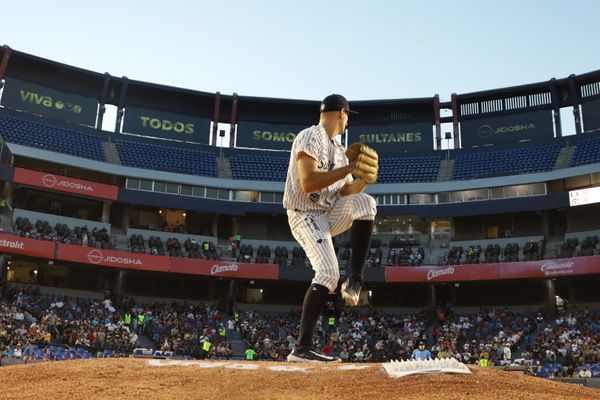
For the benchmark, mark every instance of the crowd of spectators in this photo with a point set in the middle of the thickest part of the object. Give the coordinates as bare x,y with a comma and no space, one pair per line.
354,337
28,317
401,252
183,328
490,334
493,253
570,340
572,247
191,247
42,230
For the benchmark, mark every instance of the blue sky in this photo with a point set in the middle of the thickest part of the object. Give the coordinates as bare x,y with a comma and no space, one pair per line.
308,49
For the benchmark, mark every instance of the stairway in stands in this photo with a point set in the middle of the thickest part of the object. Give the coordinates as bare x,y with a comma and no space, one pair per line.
223,168
111,153
238,344
145,342
445,170
552,246
563,160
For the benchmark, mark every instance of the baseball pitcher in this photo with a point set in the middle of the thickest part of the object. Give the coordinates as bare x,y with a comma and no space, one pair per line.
323,200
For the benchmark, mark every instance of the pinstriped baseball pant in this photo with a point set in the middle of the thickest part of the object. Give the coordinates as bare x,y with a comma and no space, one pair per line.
314,230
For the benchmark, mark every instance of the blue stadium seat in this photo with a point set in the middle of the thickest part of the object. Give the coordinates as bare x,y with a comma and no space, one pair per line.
586,152
409,169
52,138
167,158
259,167
505,162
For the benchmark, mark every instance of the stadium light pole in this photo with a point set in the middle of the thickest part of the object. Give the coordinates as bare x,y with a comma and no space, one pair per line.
221,136
448,136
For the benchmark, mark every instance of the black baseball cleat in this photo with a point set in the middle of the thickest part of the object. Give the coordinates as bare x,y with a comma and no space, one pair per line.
310,356
351,291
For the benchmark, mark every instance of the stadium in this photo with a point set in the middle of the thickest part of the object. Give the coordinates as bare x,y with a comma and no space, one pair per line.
144,236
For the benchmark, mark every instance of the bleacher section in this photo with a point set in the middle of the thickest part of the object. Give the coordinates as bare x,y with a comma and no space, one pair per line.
409,169
259,167
52,138
586,152
167,158
505,162
391,169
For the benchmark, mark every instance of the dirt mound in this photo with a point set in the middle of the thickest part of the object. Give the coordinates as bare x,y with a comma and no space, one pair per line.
161,379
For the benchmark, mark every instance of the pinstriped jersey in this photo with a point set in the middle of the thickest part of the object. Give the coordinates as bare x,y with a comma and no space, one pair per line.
329,155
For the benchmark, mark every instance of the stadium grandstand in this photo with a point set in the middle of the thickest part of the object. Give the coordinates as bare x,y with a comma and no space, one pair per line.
111,238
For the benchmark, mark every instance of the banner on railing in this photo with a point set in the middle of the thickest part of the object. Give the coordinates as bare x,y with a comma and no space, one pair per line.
224,269
591,114
391,137
112,258
495,271
43,100
267,136
26,246
163,124
507,128
65,184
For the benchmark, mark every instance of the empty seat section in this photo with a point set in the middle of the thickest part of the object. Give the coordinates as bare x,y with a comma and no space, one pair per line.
167,158
586,152
409,169
259,167
505,162
52,138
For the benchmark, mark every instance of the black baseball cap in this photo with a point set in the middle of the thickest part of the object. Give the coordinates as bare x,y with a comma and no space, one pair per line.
336,102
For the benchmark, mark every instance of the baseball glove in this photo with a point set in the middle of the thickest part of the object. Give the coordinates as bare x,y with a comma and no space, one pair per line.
367,162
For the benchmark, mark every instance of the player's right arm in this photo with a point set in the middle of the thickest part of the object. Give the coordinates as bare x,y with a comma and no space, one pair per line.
313,180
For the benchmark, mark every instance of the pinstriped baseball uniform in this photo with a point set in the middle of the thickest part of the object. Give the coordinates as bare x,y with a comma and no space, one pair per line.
316,217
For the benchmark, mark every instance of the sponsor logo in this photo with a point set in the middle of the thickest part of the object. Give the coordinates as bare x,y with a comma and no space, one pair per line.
404,137
436,273
556,267
50,180
217,269
269,136
167,125
47,101
485,131
96,257
13,244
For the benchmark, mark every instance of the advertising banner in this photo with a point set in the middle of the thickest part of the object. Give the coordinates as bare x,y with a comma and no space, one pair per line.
591,114
393,137
112,258
495,271
25,246
21,95
266,136
507,128
65,184
225,269
166,125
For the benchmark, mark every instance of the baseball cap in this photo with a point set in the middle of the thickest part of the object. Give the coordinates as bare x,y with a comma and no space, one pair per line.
422,343
335,102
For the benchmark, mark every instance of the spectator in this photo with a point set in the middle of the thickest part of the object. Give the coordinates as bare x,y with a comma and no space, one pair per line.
421,353
585,373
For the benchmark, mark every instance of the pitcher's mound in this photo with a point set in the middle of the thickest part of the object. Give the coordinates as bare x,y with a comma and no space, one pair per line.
161,379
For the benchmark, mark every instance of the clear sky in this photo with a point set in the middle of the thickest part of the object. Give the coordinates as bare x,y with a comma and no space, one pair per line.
378,49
